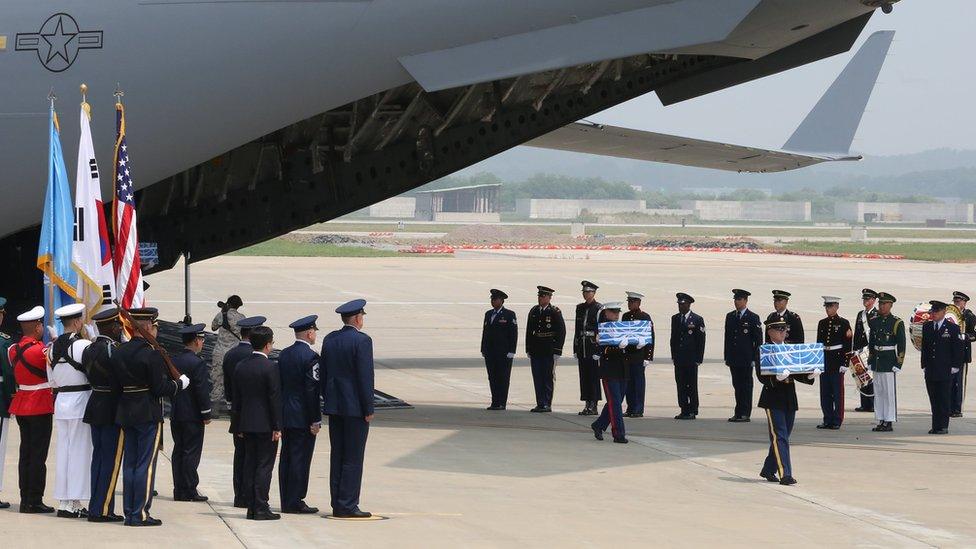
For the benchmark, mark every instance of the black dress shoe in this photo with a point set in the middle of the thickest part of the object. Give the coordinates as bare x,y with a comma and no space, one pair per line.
546,410
265,515
115,518
861,409
355,514
105,518
194,498
302,509
241,504
834,427
739,419
584,412
495,407
878,428
68,514
823,426
955,414
621,440
34,508
681,416
787,481
148,522
597,432
4,505
539,409
637,414
938,431
770,477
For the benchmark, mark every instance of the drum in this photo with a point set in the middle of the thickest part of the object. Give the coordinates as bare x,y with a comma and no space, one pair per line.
922,314
858,362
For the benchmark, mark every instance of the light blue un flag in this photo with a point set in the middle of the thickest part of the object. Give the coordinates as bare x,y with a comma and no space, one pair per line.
57,234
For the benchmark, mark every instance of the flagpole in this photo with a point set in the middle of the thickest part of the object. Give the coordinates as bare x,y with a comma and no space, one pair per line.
49,314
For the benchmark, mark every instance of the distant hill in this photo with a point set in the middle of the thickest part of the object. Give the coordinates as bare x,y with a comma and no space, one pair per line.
940,172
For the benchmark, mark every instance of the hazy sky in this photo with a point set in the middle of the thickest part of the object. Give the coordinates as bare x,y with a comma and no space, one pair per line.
925,98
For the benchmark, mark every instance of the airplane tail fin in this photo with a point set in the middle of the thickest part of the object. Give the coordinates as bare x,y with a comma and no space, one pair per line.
831,125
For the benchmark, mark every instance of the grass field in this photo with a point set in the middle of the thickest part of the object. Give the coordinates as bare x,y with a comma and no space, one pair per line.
279,247
911,250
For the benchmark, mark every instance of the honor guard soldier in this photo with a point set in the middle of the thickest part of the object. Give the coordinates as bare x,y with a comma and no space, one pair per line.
585,348
638,357
942,358
231,359
836,335
145,380
961,301
301,415
862,331
887,354
545,334
73,449
256,417
191,411
794,331
499,339
100,416
613,373
687,354
743,336
346,371
7,389
778,398
33,406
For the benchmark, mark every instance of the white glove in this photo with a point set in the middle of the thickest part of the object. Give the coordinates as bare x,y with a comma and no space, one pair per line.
815,374
555,360
783,376
641,344
955,371
647,363
895,369
623,344
843,369
595,357
184,382
510,355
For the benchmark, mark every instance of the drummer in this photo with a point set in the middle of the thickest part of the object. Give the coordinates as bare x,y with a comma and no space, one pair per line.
778,397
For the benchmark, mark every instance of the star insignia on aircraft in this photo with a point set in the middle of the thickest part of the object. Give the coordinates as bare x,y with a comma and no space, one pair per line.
58,42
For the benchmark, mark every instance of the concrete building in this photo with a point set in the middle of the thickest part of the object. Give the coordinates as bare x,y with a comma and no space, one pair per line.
401,207
474,203
729,210
861,212
556,208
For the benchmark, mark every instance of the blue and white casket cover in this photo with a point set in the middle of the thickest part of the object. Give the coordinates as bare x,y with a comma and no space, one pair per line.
634,331
798,358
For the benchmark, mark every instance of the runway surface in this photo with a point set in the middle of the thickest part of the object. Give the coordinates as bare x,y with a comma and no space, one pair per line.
450,474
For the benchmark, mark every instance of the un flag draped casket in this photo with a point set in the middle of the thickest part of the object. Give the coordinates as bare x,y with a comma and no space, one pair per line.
635,332
798,358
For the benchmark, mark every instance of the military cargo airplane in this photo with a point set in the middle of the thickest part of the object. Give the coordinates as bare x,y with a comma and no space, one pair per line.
248,119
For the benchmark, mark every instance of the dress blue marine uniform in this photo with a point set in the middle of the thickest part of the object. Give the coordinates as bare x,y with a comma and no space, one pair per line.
942,355
499,339
232,358
836,335
190,409
687,353
346,372
299,369
545,334
637,358
743,336
106,435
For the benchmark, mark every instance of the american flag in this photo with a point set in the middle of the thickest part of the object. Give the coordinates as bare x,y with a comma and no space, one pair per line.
128,270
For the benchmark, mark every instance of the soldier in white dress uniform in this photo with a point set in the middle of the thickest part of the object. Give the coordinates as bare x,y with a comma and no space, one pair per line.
73,450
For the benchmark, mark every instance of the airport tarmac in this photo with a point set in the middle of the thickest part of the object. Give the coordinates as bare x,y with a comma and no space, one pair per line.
450,474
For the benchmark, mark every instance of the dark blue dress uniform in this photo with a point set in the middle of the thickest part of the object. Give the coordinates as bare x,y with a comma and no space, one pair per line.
190,409
346,372
743,336
298,366
942,351
107,443
255,416
499,339
861,330
613,374
794,331
836,335
231,359
143,375
687,353
584,347
636,377
545,335
969,336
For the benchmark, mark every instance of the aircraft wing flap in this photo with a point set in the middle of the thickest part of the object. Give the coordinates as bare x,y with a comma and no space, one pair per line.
671,149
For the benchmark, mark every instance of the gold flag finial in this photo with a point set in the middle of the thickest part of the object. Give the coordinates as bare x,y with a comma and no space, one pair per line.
84,100
119,94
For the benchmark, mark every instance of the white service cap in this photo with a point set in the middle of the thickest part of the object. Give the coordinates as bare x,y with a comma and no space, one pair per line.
69,311
828,299
634,295
613,306
37,313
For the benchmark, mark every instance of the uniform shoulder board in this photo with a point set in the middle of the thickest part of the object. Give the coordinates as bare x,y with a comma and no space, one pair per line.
554,308
4,336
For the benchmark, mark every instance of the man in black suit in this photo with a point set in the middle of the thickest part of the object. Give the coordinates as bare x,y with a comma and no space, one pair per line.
232,358
191,410
346,372
743,336
942,358
499,337
256,417
687,353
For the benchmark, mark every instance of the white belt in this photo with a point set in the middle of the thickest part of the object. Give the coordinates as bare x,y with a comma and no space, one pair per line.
885,348
38,387
834,348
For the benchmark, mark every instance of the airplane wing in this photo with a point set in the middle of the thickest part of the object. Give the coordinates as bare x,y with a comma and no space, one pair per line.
825,135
